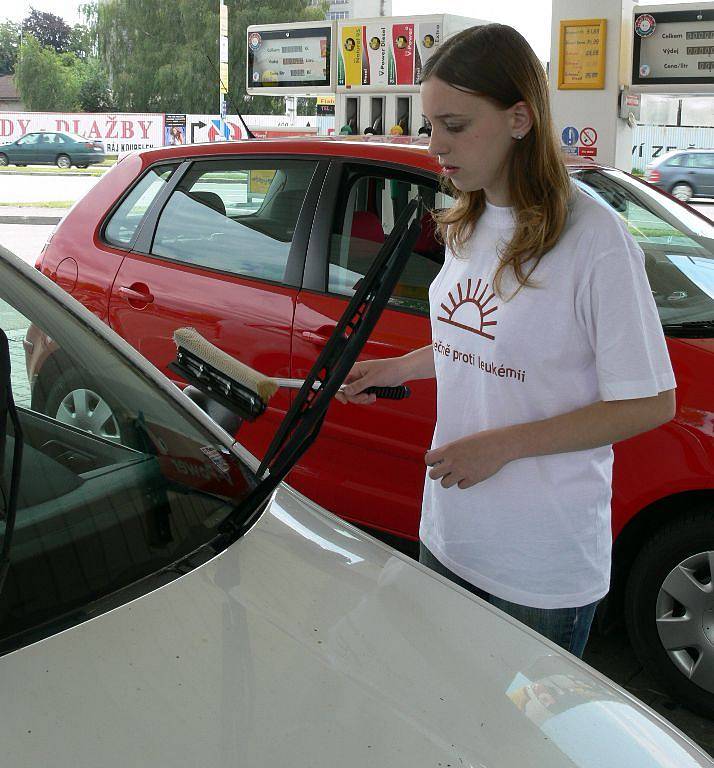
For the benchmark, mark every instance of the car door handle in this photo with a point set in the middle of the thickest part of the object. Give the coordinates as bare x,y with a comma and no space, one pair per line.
321,336
136,294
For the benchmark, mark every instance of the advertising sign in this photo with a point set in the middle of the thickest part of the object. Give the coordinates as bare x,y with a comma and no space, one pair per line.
581,59
207,128
349,63
174,130
673,47
427,39
325,106
289,58
374,54
402,69
119,132
259,180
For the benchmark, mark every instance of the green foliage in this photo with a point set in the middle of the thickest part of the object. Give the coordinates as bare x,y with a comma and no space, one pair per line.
9,46
49,30
162,56
82,42
46,80
94,92
306,107
61,82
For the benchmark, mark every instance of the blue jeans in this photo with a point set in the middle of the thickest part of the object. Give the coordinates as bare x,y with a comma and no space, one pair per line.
568,627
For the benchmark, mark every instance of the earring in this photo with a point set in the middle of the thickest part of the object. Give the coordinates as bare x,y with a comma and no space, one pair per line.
519,136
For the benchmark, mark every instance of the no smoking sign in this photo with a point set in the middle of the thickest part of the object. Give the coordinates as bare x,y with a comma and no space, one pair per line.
588,139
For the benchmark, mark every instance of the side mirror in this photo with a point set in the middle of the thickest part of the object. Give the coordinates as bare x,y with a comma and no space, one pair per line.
219,413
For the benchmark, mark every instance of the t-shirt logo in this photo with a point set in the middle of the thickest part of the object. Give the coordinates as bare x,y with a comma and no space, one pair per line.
472,309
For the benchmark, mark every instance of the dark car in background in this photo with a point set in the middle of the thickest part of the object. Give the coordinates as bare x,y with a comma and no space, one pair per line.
684,173
45,148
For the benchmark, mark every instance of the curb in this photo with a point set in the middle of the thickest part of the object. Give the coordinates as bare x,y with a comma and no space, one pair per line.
55,174
30,219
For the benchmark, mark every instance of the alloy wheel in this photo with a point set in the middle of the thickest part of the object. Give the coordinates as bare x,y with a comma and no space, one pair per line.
685,618
86,410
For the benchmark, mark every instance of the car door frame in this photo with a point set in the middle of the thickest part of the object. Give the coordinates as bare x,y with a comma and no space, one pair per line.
318,248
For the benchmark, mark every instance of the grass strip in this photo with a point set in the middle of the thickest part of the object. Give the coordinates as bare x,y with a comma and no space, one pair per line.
42,204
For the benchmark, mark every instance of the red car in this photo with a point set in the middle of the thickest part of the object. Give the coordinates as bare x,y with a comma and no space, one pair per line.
259,245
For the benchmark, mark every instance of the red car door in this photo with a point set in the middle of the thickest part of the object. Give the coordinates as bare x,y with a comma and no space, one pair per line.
368,463
222,260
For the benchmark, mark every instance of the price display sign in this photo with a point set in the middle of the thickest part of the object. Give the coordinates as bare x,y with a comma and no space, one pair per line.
673,47
297,59
581,62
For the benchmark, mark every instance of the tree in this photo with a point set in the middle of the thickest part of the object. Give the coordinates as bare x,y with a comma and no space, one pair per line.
82,42
94,92
47,80
9,45
163,55
49,30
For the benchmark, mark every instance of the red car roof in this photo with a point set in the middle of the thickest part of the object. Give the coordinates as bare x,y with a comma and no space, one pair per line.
405,150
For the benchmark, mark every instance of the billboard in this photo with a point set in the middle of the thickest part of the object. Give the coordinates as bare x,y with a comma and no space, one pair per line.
119,132
293,58
385,54
673,47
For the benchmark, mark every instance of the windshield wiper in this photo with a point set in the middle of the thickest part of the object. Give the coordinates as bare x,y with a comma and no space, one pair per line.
303,421
692,329
7,408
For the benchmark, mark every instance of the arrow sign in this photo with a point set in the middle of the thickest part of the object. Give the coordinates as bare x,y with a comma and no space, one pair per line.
199,124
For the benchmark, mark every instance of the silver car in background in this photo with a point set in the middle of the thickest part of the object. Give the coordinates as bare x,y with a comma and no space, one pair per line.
684,173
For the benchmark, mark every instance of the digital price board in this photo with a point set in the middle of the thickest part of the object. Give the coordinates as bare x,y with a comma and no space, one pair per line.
673,47
294,59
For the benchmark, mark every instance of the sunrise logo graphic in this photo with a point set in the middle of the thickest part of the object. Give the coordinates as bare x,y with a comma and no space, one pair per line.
470,309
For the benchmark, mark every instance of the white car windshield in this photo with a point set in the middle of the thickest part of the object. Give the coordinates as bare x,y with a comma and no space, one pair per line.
118,481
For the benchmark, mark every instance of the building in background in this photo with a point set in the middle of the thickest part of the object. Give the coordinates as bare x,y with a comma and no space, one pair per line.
10,100
352,9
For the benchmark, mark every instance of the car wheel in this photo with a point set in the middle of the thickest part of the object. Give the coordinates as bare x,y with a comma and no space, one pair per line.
84,165
76,400
669,604
63,161
4,160
682,192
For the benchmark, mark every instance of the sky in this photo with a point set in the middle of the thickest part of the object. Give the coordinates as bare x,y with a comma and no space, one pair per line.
530,17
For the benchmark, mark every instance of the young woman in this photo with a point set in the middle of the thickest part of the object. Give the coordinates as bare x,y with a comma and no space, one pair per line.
547,348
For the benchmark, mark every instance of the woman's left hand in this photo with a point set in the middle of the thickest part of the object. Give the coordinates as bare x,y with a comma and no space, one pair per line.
470,460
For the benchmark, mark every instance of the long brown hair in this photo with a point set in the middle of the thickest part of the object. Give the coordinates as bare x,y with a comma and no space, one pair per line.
495,62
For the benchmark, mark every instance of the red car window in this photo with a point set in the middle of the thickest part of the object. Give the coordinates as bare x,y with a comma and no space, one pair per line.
236,216
365,216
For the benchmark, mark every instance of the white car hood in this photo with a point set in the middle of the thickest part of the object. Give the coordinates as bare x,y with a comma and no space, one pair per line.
305,643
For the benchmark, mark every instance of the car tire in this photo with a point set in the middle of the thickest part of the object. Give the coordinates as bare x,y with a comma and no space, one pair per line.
682,192
83,165
76,399
63,161
3,160
677,559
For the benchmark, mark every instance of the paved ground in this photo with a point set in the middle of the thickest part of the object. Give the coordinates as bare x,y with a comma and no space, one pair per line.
19,188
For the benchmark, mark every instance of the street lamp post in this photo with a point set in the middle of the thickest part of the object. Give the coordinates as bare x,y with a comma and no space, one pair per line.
223,64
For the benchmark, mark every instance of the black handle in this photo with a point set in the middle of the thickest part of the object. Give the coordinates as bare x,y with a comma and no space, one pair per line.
389,393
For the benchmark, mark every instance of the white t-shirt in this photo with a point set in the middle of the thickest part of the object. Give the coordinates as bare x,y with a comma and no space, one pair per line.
538,532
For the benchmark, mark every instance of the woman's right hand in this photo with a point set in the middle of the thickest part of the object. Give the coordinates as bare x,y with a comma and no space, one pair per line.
370,373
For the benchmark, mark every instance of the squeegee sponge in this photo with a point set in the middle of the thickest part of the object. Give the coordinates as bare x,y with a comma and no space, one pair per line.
192,341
